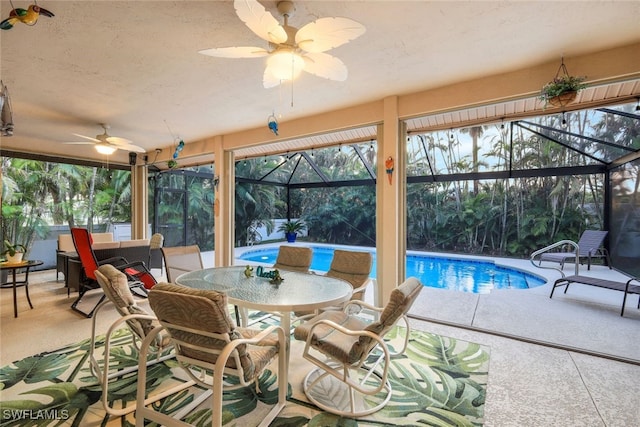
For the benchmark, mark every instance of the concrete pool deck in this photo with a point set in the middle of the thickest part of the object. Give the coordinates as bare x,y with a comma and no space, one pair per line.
586,318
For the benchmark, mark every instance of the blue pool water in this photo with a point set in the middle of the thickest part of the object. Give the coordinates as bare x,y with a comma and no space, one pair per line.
476,276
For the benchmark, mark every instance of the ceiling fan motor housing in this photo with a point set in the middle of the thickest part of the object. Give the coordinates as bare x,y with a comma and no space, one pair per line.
286,8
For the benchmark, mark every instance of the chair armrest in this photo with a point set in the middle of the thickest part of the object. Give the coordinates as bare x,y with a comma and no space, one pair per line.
386,356
377,310
553,246
132,264
261,336
113,260
119,321
346,331
362,288
362,305
229,348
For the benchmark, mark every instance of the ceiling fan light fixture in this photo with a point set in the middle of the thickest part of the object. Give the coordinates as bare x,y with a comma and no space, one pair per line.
285,64
104,148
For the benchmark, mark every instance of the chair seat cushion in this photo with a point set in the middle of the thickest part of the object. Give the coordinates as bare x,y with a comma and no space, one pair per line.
263,353
330,341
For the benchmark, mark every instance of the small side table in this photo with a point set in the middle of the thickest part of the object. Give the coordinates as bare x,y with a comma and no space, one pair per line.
14,267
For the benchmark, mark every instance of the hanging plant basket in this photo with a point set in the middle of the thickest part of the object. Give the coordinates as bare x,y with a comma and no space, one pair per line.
563,99
563,89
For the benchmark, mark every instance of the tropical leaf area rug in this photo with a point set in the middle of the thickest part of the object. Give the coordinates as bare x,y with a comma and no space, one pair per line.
439,381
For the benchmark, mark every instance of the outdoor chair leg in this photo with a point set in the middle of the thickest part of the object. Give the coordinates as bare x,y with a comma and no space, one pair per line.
74,306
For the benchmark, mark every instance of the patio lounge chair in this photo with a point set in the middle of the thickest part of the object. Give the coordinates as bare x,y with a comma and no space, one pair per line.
626,287
589,246
140,279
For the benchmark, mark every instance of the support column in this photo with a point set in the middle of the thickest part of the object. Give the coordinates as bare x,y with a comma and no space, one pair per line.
224,205
139,202
390,210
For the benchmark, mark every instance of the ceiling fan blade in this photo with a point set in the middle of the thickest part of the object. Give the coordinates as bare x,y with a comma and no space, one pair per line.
261,22
235,52
328,33
124,144
79,143
86,137
116,140
269,80
325,65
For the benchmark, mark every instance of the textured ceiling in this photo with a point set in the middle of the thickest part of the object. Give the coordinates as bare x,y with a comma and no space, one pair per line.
134,64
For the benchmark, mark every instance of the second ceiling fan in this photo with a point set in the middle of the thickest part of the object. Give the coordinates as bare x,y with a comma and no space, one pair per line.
292,50
107,144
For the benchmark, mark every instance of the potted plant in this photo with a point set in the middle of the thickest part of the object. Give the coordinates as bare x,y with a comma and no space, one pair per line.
291,229
13,251
563,89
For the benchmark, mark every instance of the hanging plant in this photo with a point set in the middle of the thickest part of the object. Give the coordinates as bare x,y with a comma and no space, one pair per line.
563,89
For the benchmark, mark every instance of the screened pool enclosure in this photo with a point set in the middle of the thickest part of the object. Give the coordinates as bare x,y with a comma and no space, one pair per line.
502,188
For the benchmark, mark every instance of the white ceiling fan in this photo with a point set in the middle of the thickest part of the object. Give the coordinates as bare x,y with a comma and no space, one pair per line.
106,144
291,50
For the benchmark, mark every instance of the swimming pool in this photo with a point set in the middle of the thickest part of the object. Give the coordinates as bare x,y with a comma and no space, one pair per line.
466,275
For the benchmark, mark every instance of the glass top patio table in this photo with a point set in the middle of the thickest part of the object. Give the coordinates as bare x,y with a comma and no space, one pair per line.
297,292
